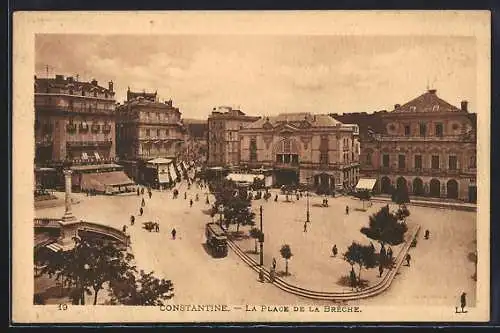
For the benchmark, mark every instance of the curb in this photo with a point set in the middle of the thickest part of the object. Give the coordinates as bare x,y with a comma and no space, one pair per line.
371,291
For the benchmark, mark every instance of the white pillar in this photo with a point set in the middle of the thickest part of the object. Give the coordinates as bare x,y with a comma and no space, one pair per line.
69,223
68,215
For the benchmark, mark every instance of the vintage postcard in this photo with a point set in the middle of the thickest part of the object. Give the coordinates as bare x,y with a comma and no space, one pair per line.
251,166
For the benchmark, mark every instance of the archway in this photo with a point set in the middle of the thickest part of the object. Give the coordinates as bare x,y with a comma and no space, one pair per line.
401,183
435,188
385,185
418,186
452,189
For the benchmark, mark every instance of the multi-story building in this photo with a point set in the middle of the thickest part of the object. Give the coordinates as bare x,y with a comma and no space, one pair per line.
147,129
197,143
75,123
303,148
427,145
223,142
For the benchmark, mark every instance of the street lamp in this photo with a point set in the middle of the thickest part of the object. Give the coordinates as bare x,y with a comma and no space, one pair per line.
307,212
261,241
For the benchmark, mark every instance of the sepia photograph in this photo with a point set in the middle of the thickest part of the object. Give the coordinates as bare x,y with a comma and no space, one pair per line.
251,167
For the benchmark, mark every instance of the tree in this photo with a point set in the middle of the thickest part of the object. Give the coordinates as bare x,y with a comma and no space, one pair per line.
361,255
385,228
91,264
144,289
400,195
256,234
402,213
286,253
239,211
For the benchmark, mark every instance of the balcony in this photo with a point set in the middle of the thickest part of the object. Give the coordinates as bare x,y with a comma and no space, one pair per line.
51,107
87,144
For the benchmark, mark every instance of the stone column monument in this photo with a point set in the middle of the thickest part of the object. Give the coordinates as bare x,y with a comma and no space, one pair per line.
69,223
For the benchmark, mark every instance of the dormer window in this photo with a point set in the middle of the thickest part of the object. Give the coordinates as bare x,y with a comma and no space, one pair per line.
413,108
71,91
435,108
95,93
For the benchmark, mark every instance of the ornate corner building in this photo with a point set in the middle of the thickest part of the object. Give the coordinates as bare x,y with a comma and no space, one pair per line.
427,145
147,129
303,148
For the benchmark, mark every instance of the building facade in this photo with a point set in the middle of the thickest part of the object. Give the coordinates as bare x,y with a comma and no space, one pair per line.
427,145
75,123
302,148
197,143
224,125
147,129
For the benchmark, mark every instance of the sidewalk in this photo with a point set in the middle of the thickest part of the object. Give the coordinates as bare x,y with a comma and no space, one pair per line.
433,203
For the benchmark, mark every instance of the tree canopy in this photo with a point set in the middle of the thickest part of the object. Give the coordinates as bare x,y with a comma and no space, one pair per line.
385,228
286,253
361,255
400,195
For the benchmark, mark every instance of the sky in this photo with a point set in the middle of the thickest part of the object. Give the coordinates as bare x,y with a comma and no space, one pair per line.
265,74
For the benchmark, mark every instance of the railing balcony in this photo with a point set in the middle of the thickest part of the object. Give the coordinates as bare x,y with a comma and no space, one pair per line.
82,144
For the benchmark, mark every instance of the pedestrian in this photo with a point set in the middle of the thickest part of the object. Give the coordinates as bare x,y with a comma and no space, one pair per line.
463,301
206,201
298,197
185,195
380,270
197,198
272,274
143,203
142,190
305,226
427,233
276,198
274,263
157,227
389,253
408,258
173,233
190,202
334,250
346,210
383,253
150,194
138,192
124,229
141,211
132,219
326,202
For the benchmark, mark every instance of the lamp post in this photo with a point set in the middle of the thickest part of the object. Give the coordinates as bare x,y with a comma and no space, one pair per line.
261,241
86,268
307,211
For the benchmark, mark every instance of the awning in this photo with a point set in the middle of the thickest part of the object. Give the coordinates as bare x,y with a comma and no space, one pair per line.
97,157
85,156
172,171
99,181
95,167
366,184
54,247
160,160
243,178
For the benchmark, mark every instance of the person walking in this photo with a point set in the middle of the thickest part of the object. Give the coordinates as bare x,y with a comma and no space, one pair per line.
383,253
143,203
463,301
380,270
150,194
346,210
157,227
408,258
142,190
276,198
206,201
141,211
389,253
174,232
334,250
197,198
305,226
132,219
138,192
427,234
185,195
124,229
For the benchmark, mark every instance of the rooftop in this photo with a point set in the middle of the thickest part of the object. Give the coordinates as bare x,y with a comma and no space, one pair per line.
43,85
299,120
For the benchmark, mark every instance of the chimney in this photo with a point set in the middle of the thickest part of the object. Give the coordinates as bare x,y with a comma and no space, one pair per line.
397,106
463,105
432,91
110,86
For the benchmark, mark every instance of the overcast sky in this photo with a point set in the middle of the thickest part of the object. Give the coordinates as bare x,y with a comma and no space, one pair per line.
267,75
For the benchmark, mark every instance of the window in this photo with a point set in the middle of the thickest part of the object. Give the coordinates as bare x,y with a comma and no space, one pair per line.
323,158
407,130
71,91
287,146
385,160
323,150
158,115
413,108
435,162
472,162
439,129
369,158
435,108
166,133
148,132
253,150
95,93
418,161
401,161
158,132
452,163
423,129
